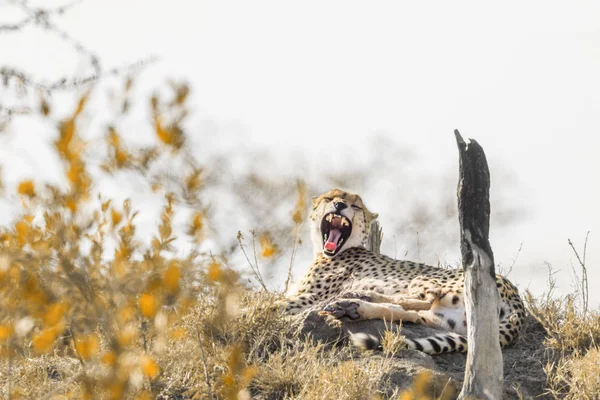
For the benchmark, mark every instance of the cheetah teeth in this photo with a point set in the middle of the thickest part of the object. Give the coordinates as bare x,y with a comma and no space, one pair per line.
330,217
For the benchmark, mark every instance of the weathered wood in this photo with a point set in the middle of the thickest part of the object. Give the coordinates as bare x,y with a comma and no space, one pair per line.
375,238
484,371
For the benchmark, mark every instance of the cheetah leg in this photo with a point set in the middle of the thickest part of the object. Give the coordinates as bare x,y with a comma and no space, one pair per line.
356,309
408,303
425,289
432,320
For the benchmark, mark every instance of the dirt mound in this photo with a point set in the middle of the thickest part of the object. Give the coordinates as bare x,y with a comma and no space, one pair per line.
523,362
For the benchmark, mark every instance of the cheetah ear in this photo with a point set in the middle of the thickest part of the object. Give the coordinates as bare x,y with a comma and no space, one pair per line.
315,201
374,216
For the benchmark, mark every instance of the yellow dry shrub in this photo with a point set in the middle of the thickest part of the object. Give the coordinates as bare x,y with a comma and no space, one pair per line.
70,301
115,216
43,341
196,227
171,278
148,305
165,135
426,386
22,230
5,332
214,273
55,313
109,358
267,247
87,346
299,212
26,188
149,367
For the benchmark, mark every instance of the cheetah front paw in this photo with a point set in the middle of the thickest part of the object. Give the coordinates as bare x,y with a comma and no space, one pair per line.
427,295
342,309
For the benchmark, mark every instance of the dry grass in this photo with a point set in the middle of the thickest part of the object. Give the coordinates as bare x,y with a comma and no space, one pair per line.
573,367
573,337
568,329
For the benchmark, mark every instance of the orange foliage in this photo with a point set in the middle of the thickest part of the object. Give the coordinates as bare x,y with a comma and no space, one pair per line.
26,188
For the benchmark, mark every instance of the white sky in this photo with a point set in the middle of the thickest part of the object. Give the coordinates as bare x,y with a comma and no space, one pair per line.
523,78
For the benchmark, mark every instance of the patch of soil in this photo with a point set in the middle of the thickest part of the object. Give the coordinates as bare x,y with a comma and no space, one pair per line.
524,361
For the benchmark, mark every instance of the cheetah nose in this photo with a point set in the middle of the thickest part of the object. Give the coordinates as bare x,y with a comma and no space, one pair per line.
339,206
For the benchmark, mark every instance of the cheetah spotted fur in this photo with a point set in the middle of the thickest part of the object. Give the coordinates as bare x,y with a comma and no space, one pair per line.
348,281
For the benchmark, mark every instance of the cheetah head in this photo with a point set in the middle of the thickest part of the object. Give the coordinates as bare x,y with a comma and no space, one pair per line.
339,221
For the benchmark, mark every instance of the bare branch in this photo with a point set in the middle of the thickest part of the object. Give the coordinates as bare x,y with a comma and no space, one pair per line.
584,289
38,16
254,267
42,18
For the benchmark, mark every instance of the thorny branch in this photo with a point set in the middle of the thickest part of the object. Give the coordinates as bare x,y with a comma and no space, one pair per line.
20,82
37,16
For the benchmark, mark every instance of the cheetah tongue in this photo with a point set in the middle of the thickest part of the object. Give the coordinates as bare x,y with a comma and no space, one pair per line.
333,239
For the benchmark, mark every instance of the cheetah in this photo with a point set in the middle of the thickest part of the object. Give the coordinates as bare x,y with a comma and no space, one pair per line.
355,283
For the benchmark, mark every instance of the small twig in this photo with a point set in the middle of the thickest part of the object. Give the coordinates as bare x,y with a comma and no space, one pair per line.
584,278
10,362
17,26
253,267
75,347
144,329
514,261
204,365
516,258
254,251
442,395
64,83
292,258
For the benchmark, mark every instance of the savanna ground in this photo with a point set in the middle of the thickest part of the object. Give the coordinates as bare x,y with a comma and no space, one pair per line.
91,311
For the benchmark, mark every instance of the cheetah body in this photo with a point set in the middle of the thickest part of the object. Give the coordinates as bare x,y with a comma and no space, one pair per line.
377,280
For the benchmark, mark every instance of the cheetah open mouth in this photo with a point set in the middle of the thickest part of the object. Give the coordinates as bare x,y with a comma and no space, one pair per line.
335,229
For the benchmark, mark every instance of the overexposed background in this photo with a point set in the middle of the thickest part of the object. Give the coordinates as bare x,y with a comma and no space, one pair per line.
313,89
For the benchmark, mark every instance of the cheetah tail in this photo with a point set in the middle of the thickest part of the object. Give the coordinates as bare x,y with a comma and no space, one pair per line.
365,341
447,342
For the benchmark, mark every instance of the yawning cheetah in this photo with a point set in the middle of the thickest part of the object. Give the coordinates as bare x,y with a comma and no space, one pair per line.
340,226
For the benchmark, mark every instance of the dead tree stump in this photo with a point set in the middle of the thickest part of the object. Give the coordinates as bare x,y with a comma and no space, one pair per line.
483,371
375,237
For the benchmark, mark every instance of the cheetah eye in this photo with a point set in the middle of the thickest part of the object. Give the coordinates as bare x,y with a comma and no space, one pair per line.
327,199
357,208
